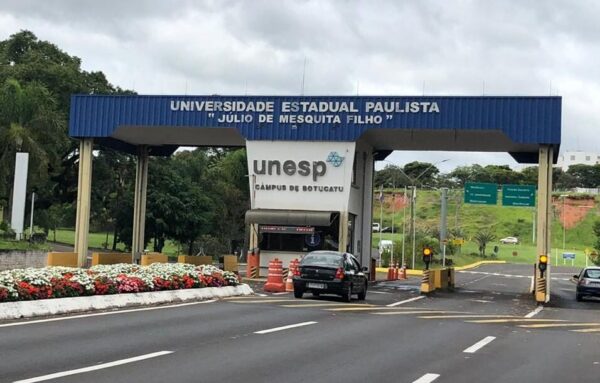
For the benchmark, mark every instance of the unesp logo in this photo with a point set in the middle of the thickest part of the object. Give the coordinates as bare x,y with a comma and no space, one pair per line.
335,159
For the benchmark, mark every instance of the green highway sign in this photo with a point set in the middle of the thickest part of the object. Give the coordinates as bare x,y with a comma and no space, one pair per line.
518,195
481,193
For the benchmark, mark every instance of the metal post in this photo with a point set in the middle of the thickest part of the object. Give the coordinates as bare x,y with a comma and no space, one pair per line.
380,223
443,226
343,231
393,214
31,215
84,194
404,229
413,204
444,255
533,227
564,222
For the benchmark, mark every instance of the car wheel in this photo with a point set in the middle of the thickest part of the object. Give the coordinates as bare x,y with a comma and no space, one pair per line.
298,293
363,294
578,297
347,294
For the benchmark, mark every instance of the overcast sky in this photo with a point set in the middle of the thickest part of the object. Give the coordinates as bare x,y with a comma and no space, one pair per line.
367,47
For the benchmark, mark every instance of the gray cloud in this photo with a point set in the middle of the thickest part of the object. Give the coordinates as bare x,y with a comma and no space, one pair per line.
380,47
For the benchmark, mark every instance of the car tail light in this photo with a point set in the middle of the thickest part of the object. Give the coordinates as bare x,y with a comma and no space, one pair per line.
339,274
584,282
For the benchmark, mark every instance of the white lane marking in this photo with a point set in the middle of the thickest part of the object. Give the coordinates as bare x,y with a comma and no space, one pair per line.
284,327
104,313
378,292
282,293
473,349
480,300
406,301
262,295
534,312
427,378
94,368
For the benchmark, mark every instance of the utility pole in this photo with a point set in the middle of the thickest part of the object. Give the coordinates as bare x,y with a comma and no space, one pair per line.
393,214
443,215
31,215
414,230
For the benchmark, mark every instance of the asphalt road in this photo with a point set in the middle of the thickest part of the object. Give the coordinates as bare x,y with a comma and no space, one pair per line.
395,336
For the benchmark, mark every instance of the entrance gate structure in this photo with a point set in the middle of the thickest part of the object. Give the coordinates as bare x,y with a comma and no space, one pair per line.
311,159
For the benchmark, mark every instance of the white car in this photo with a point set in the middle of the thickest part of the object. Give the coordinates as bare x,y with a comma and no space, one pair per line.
510,240
376,227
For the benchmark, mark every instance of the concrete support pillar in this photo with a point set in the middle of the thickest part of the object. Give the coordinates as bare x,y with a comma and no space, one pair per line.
343,232
84,193
544,219
139,204
253,240
367,209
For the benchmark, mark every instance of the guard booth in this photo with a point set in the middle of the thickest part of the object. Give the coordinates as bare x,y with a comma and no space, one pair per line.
287,234
312,197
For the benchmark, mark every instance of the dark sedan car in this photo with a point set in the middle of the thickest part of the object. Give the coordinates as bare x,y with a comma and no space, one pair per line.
330,272
588,283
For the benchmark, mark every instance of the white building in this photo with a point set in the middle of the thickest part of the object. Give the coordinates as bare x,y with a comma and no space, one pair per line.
567,159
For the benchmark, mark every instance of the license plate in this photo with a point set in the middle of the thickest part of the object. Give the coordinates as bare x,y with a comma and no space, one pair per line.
316,286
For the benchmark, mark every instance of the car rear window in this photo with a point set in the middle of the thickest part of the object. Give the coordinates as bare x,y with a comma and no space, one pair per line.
322,259
592,273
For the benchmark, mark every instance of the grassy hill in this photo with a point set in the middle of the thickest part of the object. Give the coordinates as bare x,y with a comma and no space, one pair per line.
500,220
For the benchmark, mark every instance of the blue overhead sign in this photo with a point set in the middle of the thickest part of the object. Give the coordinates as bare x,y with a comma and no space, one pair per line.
524,120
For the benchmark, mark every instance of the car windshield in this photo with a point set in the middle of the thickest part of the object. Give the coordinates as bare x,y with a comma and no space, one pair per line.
322,259
592,273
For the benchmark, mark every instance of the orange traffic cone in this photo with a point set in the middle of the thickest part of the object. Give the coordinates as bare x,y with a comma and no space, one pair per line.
403,272
275,278
289,283
396,272
390,275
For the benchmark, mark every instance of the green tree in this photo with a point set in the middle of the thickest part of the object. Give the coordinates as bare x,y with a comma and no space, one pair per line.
391,175
529,175
502,174
423,173
586,176
230,191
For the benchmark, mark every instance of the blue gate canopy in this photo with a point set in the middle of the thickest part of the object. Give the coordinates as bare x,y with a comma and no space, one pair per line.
517,125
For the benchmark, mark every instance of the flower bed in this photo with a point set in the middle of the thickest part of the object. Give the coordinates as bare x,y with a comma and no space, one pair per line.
58,282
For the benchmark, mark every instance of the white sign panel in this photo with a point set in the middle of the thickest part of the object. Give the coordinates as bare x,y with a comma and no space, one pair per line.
19,193
300,175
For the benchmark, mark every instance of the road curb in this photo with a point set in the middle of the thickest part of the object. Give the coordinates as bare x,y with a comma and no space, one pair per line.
459,268
477,264
47,307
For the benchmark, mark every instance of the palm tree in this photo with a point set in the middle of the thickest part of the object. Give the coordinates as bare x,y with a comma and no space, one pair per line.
483,238
29,122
